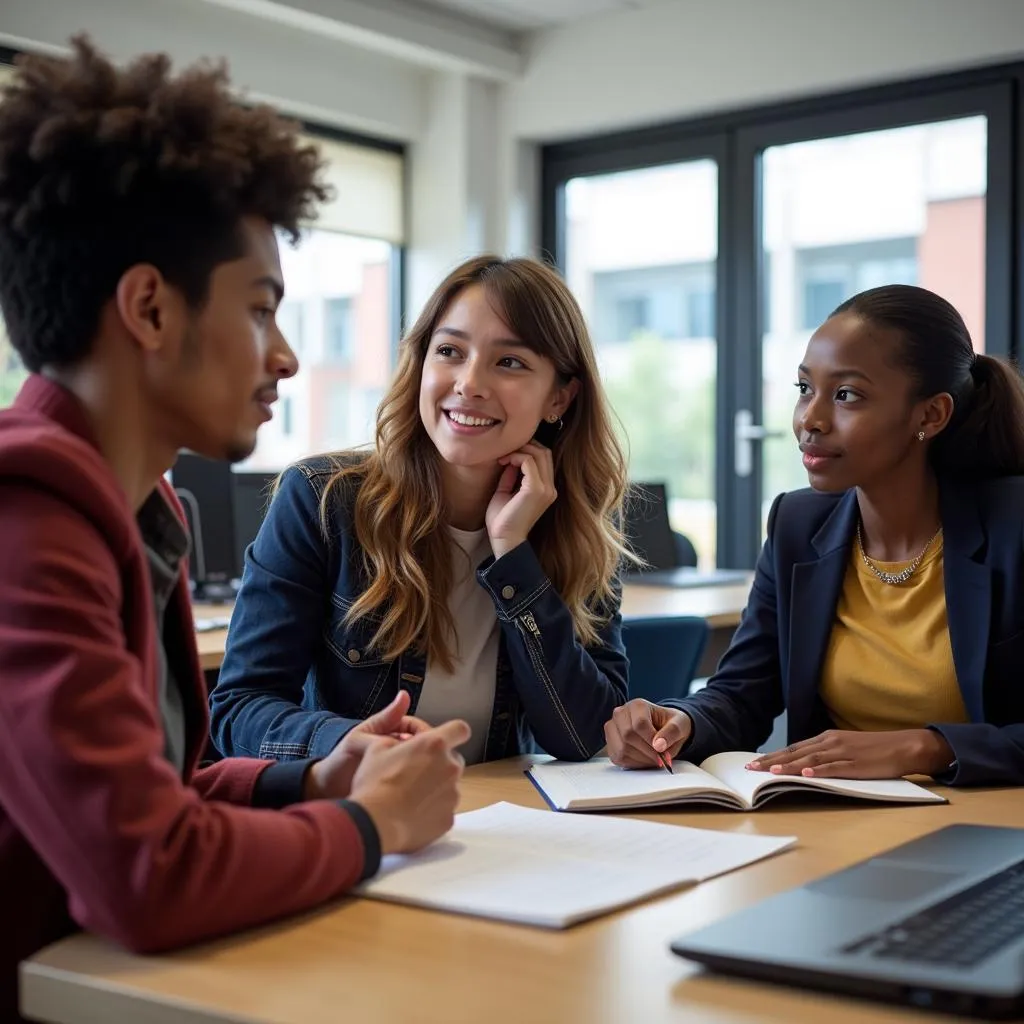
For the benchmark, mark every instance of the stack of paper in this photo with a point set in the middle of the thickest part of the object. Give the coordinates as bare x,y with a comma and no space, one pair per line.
553,870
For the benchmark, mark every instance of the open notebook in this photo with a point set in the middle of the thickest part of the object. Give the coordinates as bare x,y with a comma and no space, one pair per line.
534,867
721,780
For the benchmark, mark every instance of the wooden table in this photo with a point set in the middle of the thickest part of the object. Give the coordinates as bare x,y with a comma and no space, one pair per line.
720,605
378,963
211,643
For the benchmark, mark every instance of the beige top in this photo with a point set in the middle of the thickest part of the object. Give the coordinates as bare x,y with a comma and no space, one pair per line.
468,691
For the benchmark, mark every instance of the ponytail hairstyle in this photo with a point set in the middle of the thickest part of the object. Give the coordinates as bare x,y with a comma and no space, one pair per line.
985,435
399,514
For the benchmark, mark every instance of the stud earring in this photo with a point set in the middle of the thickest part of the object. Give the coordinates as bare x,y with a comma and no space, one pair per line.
553,419
920,435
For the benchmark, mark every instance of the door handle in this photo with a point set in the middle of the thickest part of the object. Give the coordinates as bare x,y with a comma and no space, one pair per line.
745,433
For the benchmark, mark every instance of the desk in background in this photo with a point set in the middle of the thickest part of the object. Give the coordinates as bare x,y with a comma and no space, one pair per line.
720,605
378,963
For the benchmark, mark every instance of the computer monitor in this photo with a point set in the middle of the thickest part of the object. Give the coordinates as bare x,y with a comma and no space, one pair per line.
205,489
252,496
647,526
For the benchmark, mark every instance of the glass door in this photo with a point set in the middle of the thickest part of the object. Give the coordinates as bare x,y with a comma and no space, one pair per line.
836,214
705,260
640,252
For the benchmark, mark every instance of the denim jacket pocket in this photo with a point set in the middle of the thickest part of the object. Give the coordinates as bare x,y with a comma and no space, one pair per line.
361,670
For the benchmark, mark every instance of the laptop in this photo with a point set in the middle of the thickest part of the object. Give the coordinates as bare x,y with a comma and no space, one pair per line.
649,532
937,923
684,576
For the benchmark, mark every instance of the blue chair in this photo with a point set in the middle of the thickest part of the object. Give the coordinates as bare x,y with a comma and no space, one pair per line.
663,654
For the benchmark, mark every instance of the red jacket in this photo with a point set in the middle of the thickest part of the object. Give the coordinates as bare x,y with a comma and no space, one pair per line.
96,827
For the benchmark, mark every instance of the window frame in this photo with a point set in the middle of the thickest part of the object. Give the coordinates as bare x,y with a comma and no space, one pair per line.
736,139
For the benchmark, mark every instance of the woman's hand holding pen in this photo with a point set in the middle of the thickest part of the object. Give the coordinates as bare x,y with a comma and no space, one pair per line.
644,735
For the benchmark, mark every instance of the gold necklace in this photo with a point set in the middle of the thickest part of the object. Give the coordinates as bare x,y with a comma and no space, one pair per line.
894,579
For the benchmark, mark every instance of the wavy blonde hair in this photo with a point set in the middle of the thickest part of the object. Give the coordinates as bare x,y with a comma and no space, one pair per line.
400,514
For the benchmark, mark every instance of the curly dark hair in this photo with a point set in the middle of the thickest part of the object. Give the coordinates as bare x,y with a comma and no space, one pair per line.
104,167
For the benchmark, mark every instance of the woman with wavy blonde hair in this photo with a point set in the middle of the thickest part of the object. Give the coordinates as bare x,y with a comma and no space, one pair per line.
470,558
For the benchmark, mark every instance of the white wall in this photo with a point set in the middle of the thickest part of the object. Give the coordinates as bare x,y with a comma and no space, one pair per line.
681,58
466,181
438,174
305,74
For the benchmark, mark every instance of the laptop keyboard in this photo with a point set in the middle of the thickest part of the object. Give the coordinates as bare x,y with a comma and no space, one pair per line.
960,931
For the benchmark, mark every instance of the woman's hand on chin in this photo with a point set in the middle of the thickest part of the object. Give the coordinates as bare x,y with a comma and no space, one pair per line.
525,490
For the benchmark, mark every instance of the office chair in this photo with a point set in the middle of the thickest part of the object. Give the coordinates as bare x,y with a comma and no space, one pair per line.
686,553
663,654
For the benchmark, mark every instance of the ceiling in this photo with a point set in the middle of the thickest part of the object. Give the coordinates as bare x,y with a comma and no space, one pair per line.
529,15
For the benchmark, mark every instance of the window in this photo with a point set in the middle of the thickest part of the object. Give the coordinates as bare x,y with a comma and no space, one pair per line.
674,302
641,250
12,373
341,282
338,331
845,213
912,183
821,296
827,275
338,414
700,312
631,316
291,323
322,407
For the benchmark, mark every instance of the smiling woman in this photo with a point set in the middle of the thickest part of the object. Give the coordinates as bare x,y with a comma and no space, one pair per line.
462,560
887,613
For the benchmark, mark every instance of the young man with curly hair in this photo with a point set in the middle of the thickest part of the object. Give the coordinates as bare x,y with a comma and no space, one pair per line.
139,279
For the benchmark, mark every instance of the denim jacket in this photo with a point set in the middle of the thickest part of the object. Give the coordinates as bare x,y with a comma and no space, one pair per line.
296,677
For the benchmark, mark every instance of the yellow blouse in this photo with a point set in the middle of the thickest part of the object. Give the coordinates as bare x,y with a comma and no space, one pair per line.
889,663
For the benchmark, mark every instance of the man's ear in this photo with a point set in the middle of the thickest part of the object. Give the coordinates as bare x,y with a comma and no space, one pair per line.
146,306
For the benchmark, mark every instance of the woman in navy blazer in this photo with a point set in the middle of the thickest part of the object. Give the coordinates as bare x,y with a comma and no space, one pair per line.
906,434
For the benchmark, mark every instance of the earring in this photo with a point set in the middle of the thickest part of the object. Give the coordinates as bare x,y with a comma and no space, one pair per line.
920,435
553,418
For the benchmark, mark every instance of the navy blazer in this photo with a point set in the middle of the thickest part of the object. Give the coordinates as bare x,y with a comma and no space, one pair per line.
775,658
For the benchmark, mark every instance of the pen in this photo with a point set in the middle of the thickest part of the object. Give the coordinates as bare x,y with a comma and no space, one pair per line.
664,763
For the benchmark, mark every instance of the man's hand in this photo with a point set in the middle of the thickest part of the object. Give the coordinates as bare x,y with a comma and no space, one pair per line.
638,731
411,789
843,754
331,778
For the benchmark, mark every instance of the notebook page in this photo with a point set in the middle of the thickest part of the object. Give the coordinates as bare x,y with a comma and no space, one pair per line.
534,867
599,783
729,768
